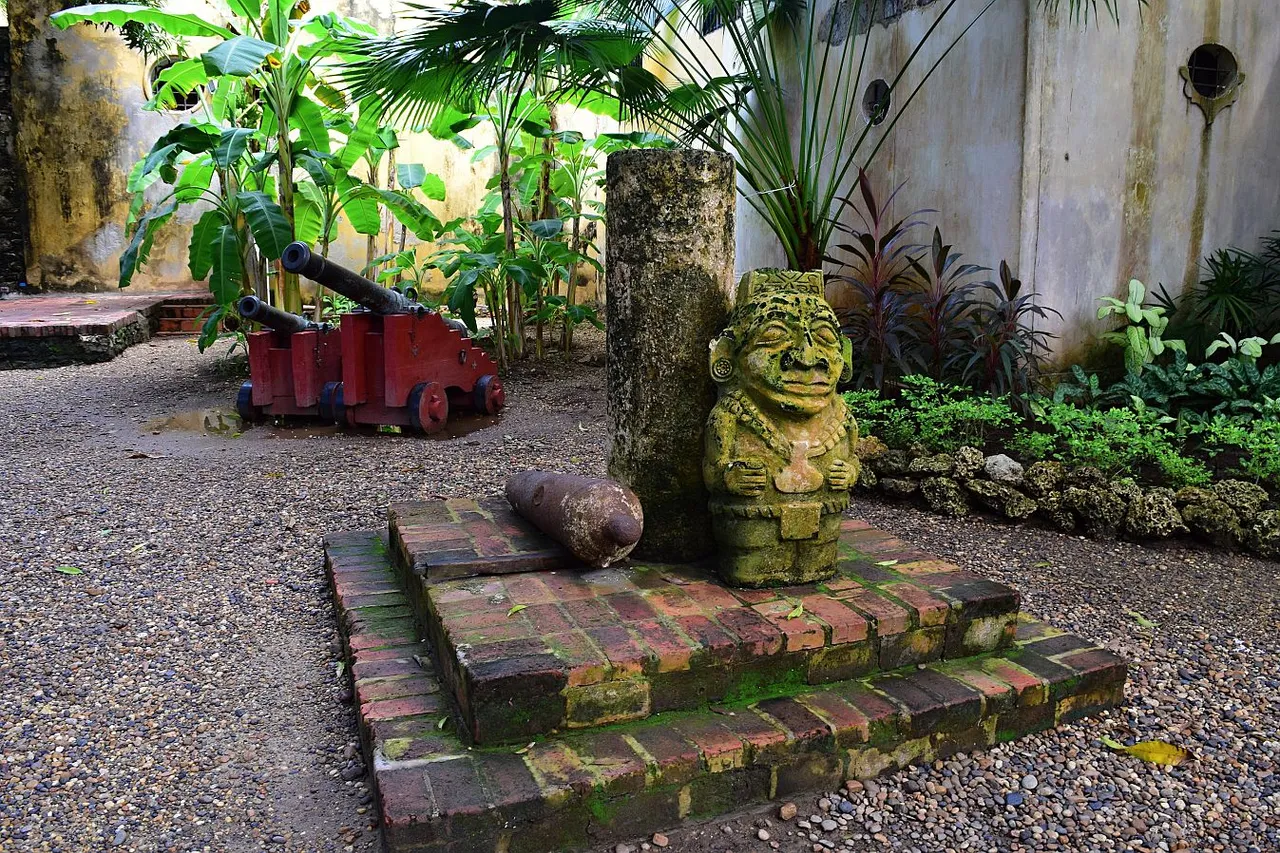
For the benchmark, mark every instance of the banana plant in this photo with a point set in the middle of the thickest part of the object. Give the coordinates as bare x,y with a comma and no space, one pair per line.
264,96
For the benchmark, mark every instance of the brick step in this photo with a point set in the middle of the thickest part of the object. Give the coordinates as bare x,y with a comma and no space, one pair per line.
563,648
179,326
571,790
181,311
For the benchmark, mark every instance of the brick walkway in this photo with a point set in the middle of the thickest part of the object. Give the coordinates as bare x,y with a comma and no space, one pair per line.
73,313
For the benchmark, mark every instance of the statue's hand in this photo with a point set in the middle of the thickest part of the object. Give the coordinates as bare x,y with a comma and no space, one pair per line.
840,476
746,477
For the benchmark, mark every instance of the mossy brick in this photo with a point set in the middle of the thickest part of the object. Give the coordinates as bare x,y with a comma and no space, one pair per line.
372,618
839,663
509,699
545,618
1096,668
806,729
886,719
867,762
757,636
720,793
513,791
512,630
925,712
459,795
1052,647
406,652
673,652
422,512
426,745
714,645
750,597
927,610
581,660
968,637
380,689
375,599
887,616
817,771
528,589
1030,689
711,597
610,757
401,633
691,688
799,631
673,602
766,741
911,648
998,696
408,811
1061,679
1032,629
844,624
606,702
389,668
627,656
565,586
976,737
1079,705
559,770
849,725
1025,720
861,573
408,706
964,703
977,598
721,750
669,758
630,607
590,612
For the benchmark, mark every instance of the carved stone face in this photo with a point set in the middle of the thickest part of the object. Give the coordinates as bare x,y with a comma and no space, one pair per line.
789,353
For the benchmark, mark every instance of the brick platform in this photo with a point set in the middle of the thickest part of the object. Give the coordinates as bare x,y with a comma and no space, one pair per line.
574,788
530,653
72,328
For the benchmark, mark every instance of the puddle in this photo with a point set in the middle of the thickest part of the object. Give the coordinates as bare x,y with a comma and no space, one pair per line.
207,421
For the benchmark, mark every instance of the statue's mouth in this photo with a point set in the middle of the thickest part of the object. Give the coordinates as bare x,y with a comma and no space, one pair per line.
808,386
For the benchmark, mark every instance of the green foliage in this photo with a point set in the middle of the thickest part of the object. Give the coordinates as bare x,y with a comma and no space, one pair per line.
947,417
1115,441
1256,443
1142,335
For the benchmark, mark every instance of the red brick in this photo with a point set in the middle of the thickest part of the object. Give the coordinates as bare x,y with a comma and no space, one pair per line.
585,663
404,798
763,737
611,758
410,706
527,589
719,747
757,636
850,725
671,759
631,607
590,612
672,601
714,645
847,625
380,689
799,632
711,596
930,610
673,650
627,657
889,618
565,586
554,764
393,652
755,596
384,668
546,618
1031,690
806,727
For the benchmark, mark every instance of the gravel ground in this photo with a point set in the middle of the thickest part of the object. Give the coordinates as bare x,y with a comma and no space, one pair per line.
181,693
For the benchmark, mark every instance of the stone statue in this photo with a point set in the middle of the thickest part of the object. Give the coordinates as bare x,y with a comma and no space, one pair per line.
779,457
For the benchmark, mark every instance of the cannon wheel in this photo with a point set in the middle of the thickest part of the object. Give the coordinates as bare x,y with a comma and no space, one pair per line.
428,407
248,412
488,394
330,406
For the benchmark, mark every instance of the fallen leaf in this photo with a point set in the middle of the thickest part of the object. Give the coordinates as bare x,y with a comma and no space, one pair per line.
136,548
273,475
796,611
676,579
522,750
1141,620
340,668
1043,564
444,721
514,610
69,570
887,563
140,455
1153,751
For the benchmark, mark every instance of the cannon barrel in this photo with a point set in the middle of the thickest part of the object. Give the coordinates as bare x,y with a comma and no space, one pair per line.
298,258
253,308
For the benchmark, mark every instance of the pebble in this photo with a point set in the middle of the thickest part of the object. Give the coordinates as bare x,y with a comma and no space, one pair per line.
1029,782
660,840
787,811
829,825
762,834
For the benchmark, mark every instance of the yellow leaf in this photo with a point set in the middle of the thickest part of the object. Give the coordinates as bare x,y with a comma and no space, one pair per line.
513,611
522,750
796,611
1153,751
273,475
887,563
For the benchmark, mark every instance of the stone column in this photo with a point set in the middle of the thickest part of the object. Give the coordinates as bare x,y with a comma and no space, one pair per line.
669,267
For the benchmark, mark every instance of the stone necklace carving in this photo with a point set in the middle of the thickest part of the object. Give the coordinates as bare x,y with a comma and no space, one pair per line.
799,476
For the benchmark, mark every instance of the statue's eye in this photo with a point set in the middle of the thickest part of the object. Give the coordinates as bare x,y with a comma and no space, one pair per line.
827,335
772,334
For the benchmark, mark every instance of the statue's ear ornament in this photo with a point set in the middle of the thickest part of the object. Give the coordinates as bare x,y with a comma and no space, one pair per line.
722,358
846,356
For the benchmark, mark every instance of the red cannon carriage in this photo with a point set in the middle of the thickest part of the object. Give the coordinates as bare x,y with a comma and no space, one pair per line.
393,363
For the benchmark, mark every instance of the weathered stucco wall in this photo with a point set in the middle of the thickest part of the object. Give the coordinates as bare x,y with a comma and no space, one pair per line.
13,201
1071,150
78,98
1125,179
